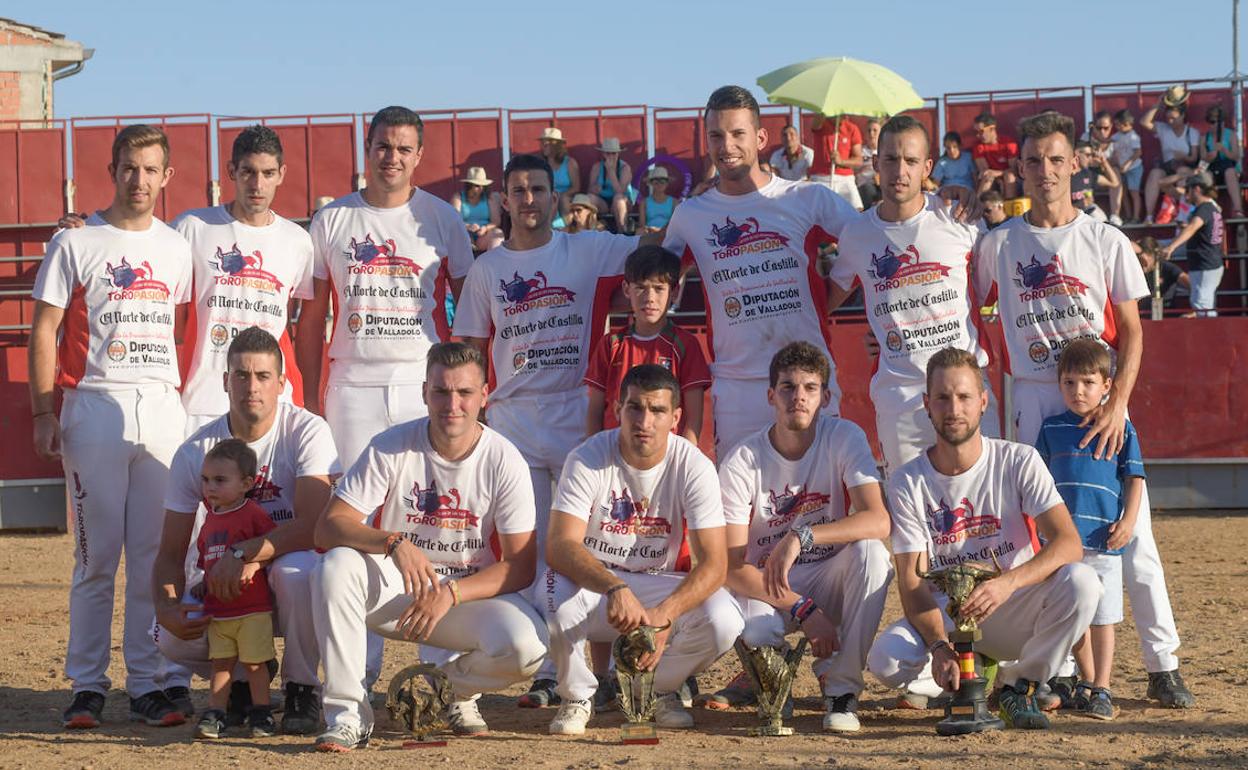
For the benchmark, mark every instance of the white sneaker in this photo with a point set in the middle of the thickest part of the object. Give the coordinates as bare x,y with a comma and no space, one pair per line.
842,714
572,717
465,718
1115,220
670,713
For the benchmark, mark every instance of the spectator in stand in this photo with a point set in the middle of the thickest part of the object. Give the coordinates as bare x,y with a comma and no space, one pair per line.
1094,171
1100,131
655,209
994,157
583,216
611,184
792,161
838,154
993,204
480,210
1159,271
1126,154
865,177
1180,146
1203,234
954,168
1220,151
567,179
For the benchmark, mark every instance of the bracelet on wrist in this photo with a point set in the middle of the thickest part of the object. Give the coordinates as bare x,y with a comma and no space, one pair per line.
803,608
454,586
616,587
48,413
392,542
939,643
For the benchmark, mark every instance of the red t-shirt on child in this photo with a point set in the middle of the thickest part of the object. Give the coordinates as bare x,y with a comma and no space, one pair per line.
221,531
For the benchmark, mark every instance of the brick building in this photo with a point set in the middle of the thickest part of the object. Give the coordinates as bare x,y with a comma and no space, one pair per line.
31,61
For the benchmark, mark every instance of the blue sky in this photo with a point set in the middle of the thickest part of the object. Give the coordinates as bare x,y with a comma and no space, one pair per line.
280,57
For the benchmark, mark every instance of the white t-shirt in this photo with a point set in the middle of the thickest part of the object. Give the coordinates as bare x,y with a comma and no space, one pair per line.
755,254
636,519
119,289
1055,285
390,271
244,276
1124,146
1175,145
450,510
538,306
915,278
798,169
986,511
773,495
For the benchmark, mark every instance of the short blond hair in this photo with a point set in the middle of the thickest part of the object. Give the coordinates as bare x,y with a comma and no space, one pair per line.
953,358
137,137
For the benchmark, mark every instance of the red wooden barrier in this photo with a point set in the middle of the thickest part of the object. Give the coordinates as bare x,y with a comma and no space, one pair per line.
1010,107
680,132
583,128
319,152
32,172
1139,97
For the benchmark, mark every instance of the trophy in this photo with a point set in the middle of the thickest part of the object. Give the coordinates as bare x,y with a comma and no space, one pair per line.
417,698
967,711
637,699
771,669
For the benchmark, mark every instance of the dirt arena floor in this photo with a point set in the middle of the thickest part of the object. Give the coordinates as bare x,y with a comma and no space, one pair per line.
1205,564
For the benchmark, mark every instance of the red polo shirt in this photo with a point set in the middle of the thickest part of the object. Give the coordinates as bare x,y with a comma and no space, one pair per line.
846,139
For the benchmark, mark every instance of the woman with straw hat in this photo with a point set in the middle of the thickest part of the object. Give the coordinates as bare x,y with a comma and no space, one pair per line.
610,184
479,209
566,174
1180,146
654,210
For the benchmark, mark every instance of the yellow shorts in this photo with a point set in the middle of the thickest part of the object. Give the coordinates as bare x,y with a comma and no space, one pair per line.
249,638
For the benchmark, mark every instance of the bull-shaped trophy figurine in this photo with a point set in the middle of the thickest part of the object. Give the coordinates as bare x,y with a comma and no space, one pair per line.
417,699
637,699
771,670
967,711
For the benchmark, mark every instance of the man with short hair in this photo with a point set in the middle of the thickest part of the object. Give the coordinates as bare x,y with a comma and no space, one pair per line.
974,499
106,297
805,516
838,156
754,239
625,497
1058,275
297,461
911,258
792,159
1095,172
441,563
994,157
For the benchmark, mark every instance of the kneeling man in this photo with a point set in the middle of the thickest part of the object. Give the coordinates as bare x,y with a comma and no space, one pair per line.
426,571
970,498
805,513
625,498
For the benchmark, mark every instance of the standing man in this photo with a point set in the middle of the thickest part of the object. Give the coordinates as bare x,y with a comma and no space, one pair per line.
754,239
625,498
539,301
1059,275
103,331
805,516
838,156
912,259
441,563
297,461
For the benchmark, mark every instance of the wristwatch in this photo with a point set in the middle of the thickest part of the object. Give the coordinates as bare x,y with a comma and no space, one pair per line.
238,553
805,538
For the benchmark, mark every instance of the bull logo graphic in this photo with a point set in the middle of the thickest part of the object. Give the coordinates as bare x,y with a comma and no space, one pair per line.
233,261
782,504
621,508
887,264
946,519
1033,274
367,250
428,500
731,232
517,289
124,276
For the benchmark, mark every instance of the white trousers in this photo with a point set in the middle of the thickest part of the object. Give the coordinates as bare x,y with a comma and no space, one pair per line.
290,578
576,615
740,409
850,588
116,449
1143,574
501,639
1031,633
904,427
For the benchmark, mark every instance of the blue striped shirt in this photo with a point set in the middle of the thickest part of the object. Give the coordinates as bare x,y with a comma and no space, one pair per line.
1092,489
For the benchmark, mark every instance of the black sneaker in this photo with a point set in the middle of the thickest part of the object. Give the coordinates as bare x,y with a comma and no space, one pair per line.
540,695
606,697
180,697
238,704
260,719
211,724
303,710
1100,705
1064,687
1019,709
155,709
84,711
1168,689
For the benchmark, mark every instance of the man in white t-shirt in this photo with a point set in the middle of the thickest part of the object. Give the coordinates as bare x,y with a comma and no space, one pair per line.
974,499
754,239
805,516
441,563
106,296
792,159
297,462
625,499
912,259
1059,275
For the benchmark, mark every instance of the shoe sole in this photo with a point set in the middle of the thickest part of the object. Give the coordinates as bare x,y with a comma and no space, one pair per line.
201,735
169,720
82,722
566,732
333,748
1098,717
908,705
829,729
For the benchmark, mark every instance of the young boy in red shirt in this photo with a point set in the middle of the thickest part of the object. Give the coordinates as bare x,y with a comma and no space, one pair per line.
242,627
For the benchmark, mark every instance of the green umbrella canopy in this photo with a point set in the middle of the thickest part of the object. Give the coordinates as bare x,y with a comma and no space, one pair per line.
841,86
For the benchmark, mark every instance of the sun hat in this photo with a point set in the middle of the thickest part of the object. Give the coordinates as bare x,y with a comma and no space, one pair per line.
610,144
658,172
1176,96
476,175
552,135
581,200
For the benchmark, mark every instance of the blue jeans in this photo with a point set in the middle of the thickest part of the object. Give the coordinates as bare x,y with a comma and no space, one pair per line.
1204,291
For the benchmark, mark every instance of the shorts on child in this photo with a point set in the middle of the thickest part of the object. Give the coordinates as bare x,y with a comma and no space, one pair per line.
249,638
1108,569
1134,176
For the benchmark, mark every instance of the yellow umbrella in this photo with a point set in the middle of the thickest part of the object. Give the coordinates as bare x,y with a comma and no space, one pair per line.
841,86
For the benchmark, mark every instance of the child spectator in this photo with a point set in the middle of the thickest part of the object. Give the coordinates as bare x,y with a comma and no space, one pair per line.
954,168
1219,152
994,157
241,630
656,209
479,209
1126,156
994,209
1103,496
1163,276
583,216
1094,171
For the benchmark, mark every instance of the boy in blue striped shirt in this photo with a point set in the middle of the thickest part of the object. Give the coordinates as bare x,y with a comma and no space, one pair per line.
1104,499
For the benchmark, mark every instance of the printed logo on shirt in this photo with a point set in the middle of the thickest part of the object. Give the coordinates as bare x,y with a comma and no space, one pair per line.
246,271
372,258
134,282
1041,280
216,543
116,350
954,525
745,238
893,271
622,515
522,294
791,503
432,509
265,491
